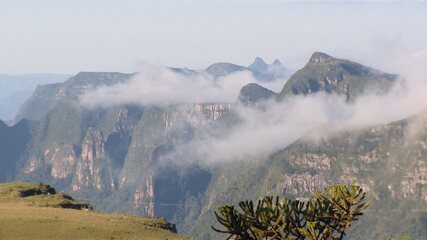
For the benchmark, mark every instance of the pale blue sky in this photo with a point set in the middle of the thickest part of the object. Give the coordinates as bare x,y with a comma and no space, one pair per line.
86,35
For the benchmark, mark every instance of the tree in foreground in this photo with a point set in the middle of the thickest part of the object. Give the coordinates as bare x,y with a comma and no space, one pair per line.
325,216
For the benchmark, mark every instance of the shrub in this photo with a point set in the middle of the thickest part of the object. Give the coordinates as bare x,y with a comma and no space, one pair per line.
327,215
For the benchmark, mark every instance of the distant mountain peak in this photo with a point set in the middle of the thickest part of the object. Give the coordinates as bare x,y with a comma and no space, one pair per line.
259,65
224,68
253,93
277,62
259,60
319,57
337,76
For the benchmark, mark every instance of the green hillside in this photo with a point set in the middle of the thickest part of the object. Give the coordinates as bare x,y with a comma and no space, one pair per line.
35,211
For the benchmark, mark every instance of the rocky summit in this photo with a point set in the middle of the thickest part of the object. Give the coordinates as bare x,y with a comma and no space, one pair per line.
253,93
327,74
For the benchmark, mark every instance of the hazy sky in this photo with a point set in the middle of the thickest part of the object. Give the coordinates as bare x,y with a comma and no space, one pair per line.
84,35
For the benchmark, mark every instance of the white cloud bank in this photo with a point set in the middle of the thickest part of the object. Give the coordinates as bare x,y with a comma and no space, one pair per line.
162,86
277,125
266,131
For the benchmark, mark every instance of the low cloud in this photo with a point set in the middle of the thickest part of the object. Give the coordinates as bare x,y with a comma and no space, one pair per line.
163,86
273,125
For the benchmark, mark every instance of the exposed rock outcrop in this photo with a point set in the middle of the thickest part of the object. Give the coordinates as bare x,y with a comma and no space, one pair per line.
94,167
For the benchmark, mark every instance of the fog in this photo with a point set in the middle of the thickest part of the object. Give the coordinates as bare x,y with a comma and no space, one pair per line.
271,125
266,131
162,86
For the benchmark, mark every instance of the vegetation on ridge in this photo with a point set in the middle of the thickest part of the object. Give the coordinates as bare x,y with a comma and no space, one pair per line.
23,216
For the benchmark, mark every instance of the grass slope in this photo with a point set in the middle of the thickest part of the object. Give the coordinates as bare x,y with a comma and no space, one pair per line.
24,216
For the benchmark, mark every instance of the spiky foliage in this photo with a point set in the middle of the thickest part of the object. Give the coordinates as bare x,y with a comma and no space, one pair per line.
325,216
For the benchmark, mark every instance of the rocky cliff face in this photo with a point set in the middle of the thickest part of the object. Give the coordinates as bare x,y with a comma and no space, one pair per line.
144,173
122,153
142,193
208,112
88,164
372,158
61,158
94,166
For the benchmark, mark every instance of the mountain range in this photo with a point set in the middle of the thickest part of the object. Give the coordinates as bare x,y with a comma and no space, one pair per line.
114,157
15,89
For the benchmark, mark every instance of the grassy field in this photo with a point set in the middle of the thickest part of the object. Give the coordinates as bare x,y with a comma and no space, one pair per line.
27,218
